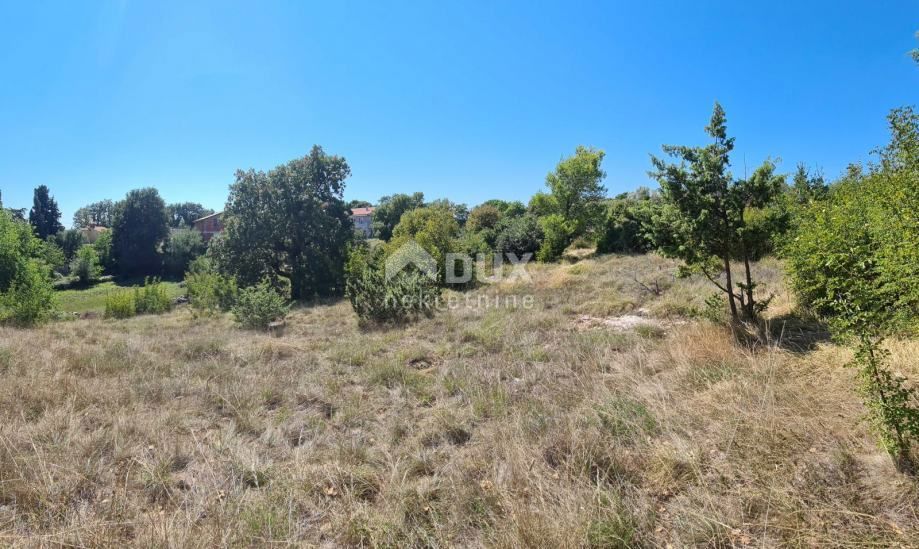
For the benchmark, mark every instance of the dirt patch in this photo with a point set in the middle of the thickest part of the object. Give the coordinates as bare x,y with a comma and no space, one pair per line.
624,323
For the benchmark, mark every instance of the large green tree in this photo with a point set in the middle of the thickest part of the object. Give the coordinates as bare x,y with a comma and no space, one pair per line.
573,205
45,217
713,218
387,215
290,223
138,231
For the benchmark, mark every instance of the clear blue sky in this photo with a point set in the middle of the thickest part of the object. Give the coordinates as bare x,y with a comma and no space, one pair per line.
466,100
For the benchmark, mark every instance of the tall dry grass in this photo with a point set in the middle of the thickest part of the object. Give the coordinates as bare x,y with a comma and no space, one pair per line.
478,427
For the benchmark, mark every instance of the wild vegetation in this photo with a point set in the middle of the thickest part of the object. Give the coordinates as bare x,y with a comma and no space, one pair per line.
475,426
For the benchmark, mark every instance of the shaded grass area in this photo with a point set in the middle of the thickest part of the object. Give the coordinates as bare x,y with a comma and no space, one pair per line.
91,299
498,427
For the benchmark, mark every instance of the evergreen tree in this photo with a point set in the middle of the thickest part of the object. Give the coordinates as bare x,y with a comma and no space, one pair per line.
45,217
574,204
713,219
807,187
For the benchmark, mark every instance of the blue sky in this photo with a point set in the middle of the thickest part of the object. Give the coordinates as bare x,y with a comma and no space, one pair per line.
466,100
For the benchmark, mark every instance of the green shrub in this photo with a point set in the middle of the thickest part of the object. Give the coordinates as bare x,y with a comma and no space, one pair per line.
85,265
208,290
432,228
892,402
519,236
854,256
30,298
103,246
120,304
853,260
557,235
152,298
402,298
626,226
258,306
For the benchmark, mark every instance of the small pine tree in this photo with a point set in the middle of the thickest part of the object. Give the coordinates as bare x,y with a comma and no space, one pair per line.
714,219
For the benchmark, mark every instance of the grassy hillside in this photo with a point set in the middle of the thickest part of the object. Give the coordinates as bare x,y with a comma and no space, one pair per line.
567,424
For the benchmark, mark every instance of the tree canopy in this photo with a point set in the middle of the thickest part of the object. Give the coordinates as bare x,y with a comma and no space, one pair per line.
184,214
573,204
807,186
139,229
434,228
290,223
98,213
390,210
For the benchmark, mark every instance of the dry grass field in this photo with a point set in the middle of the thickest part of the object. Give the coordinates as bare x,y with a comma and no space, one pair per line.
563,425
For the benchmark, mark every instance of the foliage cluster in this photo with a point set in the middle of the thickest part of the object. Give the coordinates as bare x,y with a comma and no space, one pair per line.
207,289
151,298
258,306
26,295
853,260
377,299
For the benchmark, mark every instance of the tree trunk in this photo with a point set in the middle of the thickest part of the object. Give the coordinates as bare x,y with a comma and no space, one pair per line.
730,287
749,311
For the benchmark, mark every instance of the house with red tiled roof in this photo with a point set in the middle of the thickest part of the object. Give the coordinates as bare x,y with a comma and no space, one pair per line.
363,220
209,225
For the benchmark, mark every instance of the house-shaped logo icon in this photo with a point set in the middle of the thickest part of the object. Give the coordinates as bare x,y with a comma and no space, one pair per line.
411,253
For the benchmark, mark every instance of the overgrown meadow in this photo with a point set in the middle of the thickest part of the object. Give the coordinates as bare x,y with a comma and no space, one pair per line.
557,425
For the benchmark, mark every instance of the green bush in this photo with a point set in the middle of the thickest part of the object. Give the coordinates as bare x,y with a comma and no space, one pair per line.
519,236
85,265
626,226
854,256
69,241
152,298
433,228
258,306
208,290
853,260
120,304
30,298
103,246
404,297
557,236
26,294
